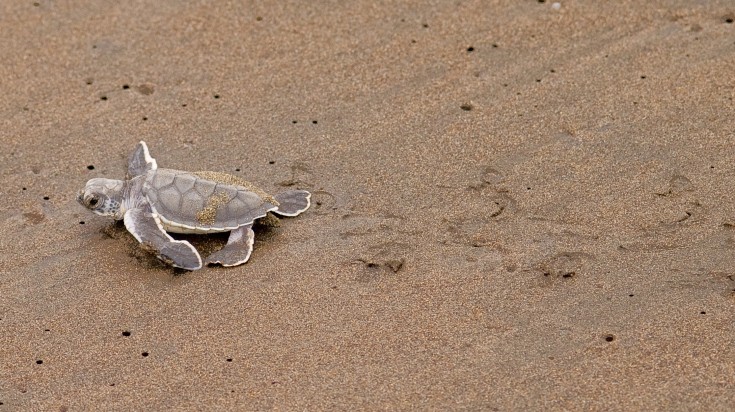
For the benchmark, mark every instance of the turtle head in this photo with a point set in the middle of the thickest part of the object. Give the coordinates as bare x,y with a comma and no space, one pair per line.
103,197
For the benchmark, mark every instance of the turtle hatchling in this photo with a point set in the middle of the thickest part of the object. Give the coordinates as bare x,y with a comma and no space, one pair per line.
153,201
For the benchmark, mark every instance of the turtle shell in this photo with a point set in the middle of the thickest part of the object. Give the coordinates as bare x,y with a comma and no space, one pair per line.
201,202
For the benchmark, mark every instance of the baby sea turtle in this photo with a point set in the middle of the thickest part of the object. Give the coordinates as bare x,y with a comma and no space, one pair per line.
153,201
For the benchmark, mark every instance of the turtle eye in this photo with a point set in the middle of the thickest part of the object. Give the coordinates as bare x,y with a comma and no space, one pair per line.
93,201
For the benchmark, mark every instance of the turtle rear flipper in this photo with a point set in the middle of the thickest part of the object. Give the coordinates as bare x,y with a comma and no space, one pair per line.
180,253
237,250
293,202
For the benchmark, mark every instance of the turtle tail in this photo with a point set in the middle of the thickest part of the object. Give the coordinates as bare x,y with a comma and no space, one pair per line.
293,202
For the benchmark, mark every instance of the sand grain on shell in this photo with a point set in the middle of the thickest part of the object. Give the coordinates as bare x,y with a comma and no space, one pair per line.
231,180
208,215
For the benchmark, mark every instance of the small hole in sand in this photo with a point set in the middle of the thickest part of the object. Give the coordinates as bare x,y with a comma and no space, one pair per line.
466,106
112,384
643,77
46,198
729,20
272,162
552,71
216,96
470,49
144,354
426,26
702,313
568,275
89,81
145,118
631,295
542,1
259,18
81,222
126,87
103,98
183,105
126,333
25,188
294,121
39,362
314,121
36,4
609,338
229,359
237,170
90,167
47,330
495,46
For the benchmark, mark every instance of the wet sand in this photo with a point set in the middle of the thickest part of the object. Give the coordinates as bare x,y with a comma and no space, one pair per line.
515,207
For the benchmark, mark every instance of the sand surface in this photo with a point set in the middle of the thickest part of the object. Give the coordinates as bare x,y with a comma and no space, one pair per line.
516,207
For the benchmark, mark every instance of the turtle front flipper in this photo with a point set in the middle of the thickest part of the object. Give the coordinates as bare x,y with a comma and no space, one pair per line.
237,250
140,161
180,253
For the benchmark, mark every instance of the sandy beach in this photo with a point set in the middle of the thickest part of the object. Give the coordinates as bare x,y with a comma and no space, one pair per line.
516,205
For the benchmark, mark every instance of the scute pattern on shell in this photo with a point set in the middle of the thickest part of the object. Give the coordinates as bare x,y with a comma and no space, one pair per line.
191,200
